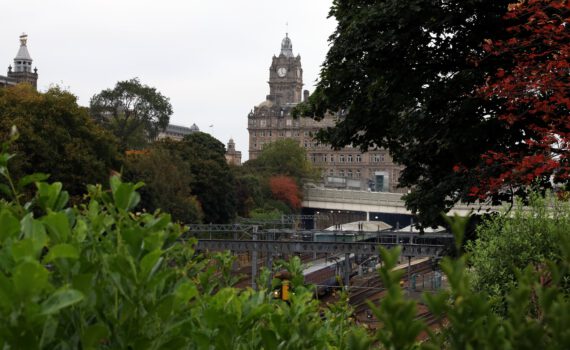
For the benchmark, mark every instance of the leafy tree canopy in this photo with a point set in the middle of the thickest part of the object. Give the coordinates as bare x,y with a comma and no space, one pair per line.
405,75
212,180
56,137
507,243
134,112
167,181
534,100
284,157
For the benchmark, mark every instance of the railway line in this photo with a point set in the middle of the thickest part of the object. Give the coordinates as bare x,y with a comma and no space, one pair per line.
372,289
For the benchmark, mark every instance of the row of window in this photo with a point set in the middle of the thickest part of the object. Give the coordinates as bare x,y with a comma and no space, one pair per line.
263,123
264,133
282,133
351,174
356,173
345,158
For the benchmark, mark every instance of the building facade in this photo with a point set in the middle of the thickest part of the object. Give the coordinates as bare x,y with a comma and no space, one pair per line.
177,132
22,70
271,120
233,157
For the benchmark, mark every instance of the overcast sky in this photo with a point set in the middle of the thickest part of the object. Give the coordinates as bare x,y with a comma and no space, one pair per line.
211,58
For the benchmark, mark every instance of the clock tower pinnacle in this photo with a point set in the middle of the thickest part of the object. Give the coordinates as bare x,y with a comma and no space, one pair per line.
285,76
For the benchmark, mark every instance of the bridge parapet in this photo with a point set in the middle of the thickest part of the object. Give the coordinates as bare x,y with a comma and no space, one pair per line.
336,199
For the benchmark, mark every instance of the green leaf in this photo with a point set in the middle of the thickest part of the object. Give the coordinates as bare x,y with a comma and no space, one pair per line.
80,231
34,230
51,196
458,226
9,225
185,292
63,250
23,249
28,179
62,298
125,194
30,278
150,263
58,226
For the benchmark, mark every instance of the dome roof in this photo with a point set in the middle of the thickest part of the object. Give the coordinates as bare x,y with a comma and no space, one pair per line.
194,127
266,103
23,53
287,46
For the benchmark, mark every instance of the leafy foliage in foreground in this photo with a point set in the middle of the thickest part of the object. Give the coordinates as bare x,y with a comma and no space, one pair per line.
99,276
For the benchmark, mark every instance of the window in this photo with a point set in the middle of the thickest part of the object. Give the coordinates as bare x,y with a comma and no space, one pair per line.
357,174
341,158
332,158
377,157
269,133
306,144
350,158
289,122
358,158
262,122
349,173
341,173
262,133
331,172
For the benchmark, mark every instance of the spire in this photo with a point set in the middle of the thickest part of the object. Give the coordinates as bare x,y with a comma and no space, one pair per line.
287,46
23,60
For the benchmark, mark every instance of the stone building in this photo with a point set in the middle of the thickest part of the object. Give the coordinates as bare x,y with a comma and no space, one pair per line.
22,70
233,157
177,132
271,120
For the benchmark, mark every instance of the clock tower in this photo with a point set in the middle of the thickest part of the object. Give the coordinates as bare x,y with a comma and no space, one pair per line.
285,76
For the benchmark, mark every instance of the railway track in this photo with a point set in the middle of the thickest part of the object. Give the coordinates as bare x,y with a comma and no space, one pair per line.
373,289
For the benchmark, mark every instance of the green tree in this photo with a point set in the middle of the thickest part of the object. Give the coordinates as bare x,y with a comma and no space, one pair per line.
134,112
403,75
167,181
57,137
284,157
506,243
248,191
212,180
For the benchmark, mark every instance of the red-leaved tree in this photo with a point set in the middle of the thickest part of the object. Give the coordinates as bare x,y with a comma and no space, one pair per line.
285,189
535,100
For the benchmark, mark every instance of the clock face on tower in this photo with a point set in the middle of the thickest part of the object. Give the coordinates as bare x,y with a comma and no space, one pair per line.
282,71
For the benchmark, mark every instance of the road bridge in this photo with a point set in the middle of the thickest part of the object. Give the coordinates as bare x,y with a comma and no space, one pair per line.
327,199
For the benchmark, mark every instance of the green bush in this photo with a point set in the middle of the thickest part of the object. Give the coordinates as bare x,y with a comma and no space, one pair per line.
100,276
506,243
